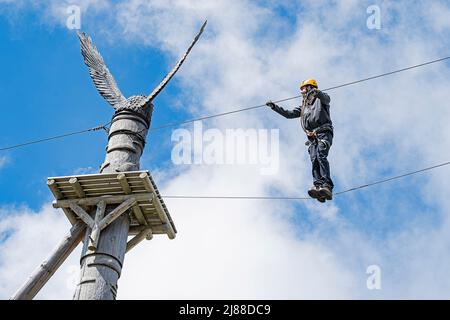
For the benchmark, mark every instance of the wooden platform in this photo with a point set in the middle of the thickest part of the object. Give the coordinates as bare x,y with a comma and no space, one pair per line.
148,213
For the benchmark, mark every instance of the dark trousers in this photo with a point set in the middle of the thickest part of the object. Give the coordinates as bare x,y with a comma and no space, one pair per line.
318,152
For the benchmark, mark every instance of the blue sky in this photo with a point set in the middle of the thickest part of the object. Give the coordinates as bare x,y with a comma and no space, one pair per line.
47,85
260,52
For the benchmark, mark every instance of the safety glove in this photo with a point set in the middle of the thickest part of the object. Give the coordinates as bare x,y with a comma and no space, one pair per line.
313,93
270,104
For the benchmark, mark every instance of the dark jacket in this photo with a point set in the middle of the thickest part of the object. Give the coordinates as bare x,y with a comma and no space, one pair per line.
315,115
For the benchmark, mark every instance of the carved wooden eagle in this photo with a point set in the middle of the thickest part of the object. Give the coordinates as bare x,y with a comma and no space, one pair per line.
107,86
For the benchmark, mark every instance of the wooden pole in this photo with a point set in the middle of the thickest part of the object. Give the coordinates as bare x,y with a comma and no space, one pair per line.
46,270
103,253
101,268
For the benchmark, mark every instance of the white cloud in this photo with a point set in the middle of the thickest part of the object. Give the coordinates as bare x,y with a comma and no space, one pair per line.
84,170
26,239
232,250
249,249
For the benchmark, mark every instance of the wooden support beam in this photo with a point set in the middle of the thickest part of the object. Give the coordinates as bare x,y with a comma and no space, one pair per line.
156,229
70,215
163,216
103,223
108,199
95,234
113,215
156,202
139,215
124,183
77,187
146,181
159,209
54,189
145,233
134,230
82,214
114,194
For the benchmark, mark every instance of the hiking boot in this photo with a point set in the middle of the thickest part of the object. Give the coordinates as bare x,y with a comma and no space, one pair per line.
313,192
325,192
321,200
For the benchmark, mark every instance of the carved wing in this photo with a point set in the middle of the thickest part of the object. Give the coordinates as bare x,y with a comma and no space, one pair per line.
170,75
103,79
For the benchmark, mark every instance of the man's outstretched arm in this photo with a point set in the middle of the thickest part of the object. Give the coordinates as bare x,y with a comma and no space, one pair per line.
290,114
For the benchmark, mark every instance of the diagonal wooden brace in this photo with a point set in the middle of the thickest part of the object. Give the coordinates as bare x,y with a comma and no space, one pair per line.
83,215
117,212
95,234
100,222
145,233
44,272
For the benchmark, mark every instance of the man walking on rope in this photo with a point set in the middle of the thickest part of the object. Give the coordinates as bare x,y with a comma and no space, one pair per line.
314,114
